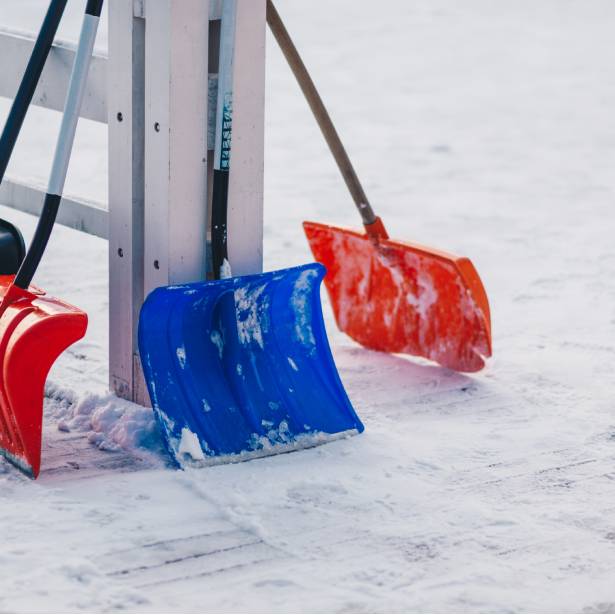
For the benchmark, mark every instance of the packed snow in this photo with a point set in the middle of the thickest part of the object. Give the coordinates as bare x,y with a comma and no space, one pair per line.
108,422
482,128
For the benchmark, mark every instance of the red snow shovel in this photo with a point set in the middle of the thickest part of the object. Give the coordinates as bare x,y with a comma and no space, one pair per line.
390,295
35,329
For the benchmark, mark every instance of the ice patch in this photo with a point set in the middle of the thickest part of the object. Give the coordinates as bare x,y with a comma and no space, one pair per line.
282,440
292,364
216,338
251,312
425,297
181,356
275,436
302,307
255,372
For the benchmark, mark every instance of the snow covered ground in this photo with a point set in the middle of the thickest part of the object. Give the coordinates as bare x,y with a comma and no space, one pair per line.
483,128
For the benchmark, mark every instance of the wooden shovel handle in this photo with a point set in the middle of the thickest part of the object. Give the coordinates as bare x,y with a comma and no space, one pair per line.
370,220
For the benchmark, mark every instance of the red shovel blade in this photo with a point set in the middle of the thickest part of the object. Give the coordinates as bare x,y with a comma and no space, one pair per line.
34,330
402,297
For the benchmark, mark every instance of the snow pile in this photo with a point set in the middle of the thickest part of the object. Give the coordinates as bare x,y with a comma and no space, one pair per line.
111,423
225,270
190,446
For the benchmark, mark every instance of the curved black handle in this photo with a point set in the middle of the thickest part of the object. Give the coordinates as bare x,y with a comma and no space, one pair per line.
39,243
30,80
72,106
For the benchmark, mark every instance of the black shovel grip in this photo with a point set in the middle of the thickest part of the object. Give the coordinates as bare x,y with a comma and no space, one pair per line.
39,242
219,246
94,7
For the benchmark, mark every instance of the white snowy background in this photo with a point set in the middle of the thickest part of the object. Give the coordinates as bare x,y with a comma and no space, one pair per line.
483,128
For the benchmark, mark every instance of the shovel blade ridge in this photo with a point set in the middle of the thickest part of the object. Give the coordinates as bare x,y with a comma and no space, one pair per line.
404,298
241,367
34,331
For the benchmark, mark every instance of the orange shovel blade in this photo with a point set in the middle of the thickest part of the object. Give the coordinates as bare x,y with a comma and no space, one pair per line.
404,298
34,330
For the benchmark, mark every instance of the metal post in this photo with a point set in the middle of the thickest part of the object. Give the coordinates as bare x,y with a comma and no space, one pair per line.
159,93
245,203
176,92
125,106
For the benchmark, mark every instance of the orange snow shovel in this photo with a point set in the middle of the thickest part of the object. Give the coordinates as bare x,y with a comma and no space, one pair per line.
390,295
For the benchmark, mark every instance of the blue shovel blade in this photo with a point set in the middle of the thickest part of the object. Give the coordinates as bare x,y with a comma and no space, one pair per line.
242,368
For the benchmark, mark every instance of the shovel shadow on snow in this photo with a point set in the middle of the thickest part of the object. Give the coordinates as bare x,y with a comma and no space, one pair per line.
393,385
380,385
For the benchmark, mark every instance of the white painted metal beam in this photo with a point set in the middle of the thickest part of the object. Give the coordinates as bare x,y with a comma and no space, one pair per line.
86,216
126,186
176,121
54,80
245,207
51,90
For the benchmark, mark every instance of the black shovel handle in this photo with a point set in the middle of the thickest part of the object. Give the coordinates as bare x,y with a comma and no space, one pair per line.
222,148
219,227
30,80
70,117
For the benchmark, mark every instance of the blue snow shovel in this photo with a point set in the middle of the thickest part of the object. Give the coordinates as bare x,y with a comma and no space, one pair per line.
240,367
